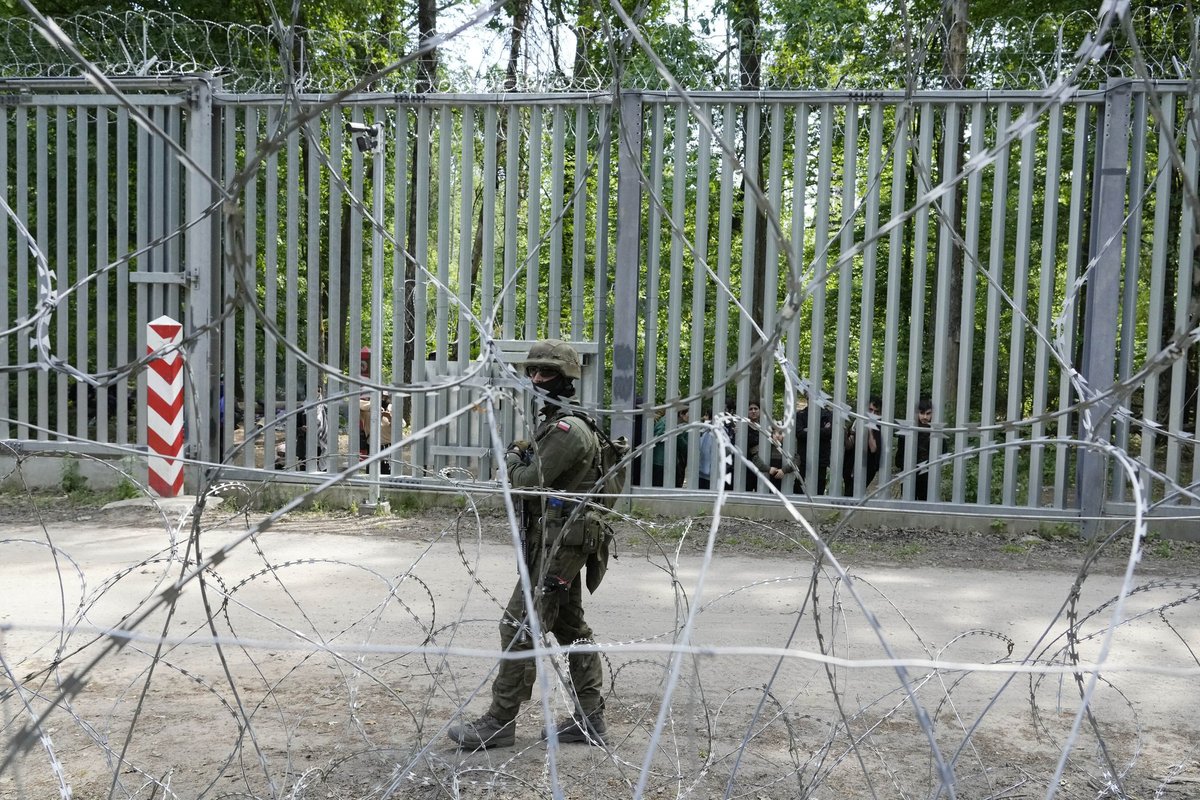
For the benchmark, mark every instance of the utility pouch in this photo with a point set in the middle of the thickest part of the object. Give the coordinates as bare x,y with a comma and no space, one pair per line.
597,562
585,533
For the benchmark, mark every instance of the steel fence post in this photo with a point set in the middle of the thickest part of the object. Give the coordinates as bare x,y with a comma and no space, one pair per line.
628,266
1102,308
202,270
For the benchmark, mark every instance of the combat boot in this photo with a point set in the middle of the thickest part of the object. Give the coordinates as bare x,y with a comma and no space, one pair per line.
590,728
485,732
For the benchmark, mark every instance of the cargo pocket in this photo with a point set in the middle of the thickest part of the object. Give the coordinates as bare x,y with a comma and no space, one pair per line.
597,562
584,532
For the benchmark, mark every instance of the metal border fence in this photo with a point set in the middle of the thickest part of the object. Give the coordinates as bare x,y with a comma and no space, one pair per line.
1021,258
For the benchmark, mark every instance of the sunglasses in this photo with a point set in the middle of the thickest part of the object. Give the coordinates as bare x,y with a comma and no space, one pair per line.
548,372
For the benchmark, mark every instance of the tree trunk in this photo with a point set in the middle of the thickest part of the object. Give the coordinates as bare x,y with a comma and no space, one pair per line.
747,16
520,18
954,76
426,82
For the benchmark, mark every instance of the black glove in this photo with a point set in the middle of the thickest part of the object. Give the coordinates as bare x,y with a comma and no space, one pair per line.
521,449
554,584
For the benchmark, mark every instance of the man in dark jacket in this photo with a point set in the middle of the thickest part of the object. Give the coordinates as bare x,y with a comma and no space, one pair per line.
559,538
921,434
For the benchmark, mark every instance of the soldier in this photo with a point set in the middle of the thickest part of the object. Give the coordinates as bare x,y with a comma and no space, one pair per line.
559,540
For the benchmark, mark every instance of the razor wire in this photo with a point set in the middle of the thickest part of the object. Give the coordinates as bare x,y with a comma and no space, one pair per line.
103,678
1003,54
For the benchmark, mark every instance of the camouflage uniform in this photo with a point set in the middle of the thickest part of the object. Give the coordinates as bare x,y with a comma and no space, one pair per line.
563,457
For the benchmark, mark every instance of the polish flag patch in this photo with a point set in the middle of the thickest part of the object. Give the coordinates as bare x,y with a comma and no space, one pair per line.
563,425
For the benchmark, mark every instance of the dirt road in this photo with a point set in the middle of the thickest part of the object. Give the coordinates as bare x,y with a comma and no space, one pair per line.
325,657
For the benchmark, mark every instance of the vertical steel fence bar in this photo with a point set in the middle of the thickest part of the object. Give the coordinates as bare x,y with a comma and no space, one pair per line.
401,289
554,261
845,295
1046,274
1020,298
228,135
337,459
582,168
678,217
1139,193
1065,338
916,315
375,365
421,289
820,271
465,266
770,288
173,196
21,354
249,268
62,269
1183,308
270,278
946,236
654,221
291,323
6,411
720,359
1158,278
104,315
43,239
123,214
966,342
444,241
534,249
866,325
441,400
891,327
800,274
81,298
995,278
511,200
700,266
353,306
601,322
146,299
312,277
487,231
752,438
487,237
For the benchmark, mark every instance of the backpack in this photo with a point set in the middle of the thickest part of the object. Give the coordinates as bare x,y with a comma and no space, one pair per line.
609,455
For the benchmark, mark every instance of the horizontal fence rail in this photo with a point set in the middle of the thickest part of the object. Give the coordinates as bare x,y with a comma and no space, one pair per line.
357,275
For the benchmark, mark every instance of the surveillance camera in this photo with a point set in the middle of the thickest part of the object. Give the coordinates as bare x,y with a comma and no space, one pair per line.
368,138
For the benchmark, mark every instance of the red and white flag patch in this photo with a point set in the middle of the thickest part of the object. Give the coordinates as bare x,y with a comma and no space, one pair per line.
563,425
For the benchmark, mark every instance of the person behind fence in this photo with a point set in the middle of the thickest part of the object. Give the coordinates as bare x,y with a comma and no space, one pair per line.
365,405
560,538
681,447
872,449
777,464
824,448
754,416
659,454
922,432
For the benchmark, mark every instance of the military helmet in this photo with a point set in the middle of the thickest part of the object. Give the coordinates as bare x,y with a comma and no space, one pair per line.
557,354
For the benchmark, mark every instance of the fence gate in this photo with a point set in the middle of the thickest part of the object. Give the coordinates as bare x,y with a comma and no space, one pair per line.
98,238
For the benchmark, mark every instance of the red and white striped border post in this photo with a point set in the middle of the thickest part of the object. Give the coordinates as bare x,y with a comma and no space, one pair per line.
164,412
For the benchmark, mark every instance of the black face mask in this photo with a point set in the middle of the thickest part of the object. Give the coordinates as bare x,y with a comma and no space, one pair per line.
562,386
